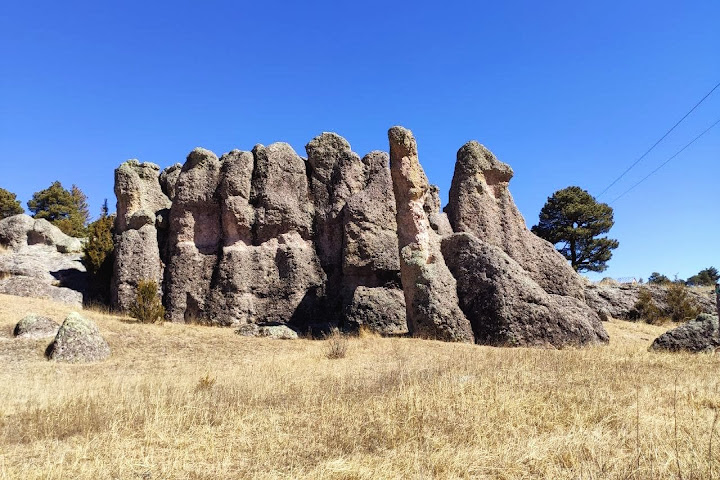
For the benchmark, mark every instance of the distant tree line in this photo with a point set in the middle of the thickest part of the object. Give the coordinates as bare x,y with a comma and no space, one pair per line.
706,276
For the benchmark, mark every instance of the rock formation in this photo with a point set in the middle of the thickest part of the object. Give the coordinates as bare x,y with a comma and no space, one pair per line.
40,261
265,239
481,204
194,237
430,290
35,326
618,300
22,230
699,335
506,307
77,341
142,210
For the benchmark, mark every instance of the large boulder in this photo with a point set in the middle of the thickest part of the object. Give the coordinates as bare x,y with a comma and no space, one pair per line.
20,231
507,307
141,210
77,341
378,309
480,203
35,326
279,281
47,265
40,261
699,335
275,331
430,290
23,286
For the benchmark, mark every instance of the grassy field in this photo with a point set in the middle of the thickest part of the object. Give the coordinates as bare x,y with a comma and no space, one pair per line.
194,402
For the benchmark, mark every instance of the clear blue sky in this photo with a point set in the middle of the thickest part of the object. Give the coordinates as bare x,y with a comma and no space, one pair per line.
567,93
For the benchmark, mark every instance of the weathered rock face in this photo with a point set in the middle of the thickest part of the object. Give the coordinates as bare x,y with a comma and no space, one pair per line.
268,271
355,233
77,341
280,193
141,211
618,300
699,335
35,326
40,261
194,237
23,286
378,309
480,203
20,231
266,239
168,179
372,289
506,307
430,290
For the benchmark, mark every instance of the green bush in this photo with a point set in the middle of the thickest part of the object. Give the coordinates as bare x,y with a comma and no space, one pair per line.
681,306
707,276
658,279
99,255
646,308
148,307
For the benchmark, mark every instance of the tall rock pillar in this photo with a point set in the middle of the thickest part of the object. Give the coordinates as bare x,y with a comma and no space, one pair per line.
430,290
141,209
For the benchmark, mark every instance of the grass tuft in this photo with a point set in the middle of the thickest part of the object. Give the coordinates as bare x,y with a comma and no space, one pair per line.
336,344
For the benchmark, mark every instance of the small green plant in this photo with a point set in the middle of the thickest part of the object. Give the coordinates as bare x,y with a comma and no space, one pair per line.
681,306
148,307
646,307
336,344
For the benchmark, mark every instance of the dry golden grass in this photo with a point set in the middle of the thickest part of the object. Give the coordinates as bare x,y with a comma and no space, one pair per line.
196,402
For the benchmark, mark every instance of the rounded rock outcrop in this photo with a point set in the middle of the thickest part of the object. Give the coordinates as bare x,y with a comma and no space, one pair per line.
78,341
699,335
36,326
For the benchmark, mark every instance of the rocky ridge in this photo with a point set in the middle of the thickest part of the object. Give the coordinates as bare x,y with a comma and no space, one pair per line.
267,237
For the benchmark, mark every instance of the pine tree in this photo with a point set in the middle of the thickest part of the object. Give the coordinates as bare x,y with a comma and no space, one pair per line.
573,218
65,209
9,205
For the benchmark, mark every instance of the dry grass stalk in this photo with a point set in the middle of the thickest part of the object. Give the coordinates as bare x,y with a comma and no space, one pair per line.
336,344
396,408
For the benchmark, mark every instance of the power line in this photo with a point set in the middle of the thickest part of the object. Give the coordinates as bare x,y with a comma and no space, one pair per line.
661,139
666,161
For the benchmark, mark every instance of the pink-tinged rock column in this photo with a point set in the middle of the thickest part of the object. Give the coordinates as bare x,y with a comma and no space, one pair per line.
429,287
